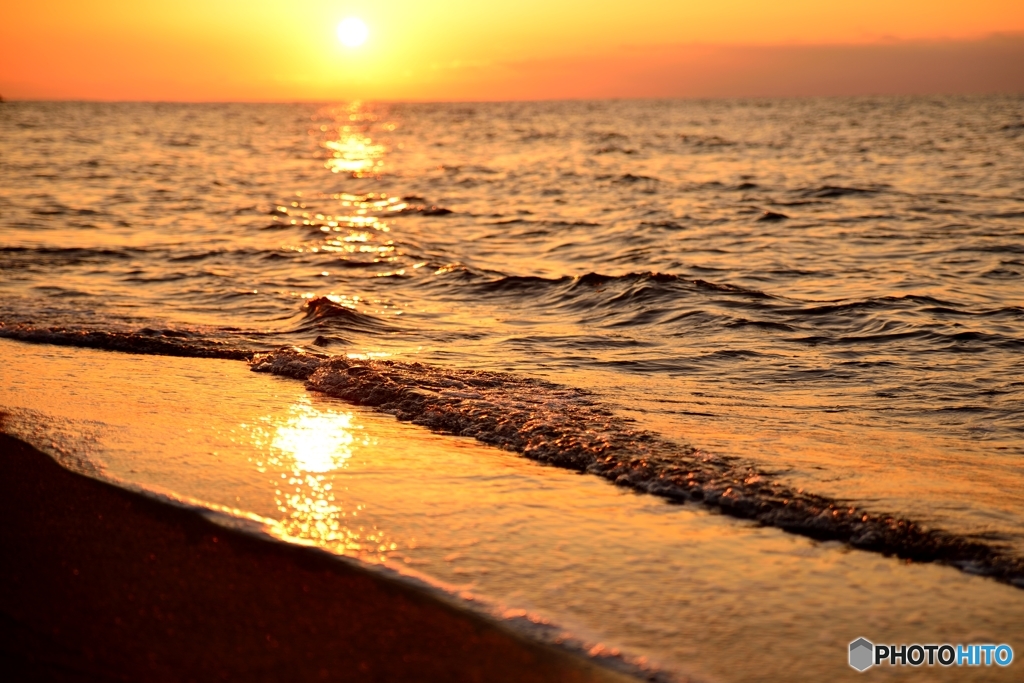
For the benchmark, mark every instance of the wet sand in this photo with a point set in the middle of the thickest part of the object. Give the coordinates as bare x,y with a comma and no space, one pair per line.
102,584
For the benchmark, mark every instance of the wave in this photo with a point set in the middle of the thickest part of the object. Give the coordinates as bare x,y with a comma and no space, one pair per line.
64,211
147,341
669,302
662,225
320,317
546,223
834,191
956,341
322,314
12,257
576,283
48,256
665,299
632,178
423,210
631,300
706,141
570,428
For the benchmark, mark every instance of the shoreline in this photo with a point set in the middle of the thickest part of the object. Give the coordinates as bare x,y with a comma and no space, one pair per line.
643,461
99,583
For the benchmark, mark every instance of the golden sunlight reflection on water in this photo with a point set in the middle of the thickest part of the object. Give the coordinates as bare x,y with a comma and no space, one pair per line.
704,595
316,441
351,150
306,449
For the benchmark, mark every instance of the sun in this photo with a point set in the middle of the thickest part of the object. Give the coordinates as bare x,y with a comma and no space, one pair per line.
352,32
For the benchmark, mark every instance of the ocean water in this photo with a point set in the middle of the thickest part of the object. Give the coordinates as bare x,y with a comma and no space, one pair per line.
805,313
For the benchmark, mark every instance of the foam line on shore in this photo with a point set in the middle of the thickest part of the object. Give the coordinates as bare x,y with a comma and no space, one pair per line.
570,428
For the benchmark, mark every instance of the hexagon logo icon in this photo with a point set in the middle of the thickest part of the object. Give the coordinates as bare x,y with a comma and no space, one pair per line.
861,654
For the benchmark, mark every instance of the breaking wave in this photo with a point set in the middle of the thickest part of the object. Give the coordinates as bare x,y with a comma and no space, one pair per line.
570,428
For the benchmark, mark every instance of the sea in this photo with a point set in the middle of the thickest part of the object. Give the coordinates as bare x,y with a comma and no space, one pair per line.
702,389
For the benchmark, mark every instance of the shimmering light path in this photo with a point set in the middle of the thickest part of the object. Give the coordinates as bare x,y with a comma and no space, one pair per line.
697,593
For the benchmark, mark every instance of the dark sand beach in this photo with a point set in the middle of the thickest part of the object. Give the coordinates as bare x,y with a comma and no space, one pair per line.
102,584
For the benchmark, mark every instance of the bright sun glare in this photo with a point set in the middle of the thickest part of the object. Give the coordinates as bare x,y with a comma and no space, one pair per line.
352,32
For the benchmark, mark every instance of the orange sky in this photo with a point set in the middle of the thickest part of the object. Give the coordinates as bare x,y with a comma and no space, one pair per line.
466,49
